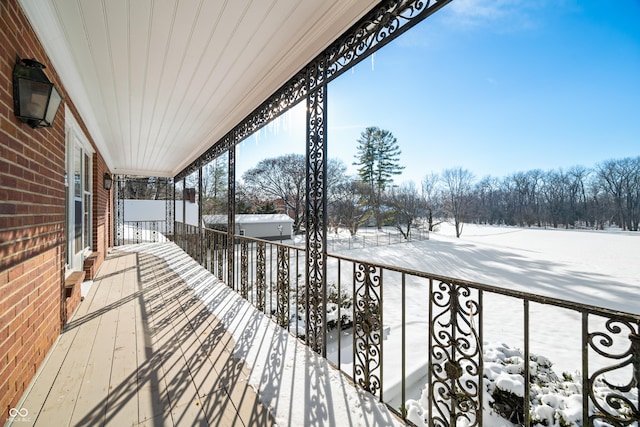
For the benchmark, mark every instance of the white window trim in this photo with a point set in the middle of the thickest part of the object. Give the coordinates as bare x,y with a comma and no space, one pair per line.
74,136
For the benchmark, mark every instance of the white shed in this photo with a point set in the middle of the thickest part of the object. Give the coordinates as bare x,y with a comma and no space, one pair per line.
261,226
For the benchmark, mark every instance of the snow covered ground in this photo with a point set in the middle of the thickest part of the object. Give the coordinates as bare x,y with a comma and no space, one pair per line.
591,267
598,268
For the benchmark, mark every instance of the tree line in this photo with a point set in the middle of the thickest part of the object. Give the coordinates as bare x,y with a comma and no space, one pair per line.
606,195
579,197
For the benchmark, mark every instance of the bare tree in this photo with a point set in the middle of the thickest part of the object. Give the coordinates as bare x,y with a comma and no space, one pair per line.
406,207
282,180
432,203
489,201
555,191
348,207
146,188
601,207
457,195
577,176
621,180
578,196
215,186
336,177
246,202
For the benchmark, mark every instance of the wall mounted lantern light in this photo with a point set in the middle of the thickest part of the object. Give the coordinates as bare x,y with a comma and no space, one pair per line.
107,180
35,98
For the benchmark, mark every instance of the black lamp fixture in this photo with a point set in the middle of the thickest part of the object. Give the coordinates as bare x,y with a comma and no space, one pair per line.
107,181
35,98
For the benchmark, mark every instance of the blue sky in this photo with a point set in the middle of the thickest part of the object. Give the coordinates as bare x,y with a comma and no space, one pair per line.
495,87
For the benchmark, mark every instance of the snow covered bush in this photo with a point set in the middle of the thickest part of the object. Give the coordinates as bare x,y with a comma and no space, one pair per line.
554,401
344,300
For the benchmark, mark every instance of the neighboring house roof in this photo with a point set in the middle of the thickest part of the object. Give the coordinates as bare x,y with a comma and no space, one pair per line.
248,218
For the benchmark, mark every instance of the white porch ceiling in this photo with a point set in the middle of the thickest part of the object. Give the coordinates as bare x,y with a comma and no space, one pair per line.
158,81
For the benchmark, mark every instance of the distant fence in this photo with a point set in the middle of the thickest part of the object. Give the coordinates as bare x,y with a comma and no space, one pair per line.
337,243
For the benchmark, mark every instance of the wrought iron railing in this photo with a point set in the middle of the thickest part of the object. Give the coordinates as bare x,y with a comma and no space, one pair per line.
395,331
188,238
153,231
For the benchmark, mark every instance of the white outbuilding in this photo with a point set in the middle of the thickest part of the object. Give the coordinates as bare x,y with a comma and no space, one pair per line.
261,226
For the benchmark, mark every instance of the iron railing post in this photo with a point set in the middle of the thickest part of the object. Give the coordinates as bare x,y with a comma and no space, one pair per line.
231,208
200,238
316,211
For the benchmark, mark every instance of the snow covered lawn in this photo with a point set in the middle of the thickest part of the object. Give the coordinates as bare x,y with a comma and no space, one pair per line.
598,268
591,267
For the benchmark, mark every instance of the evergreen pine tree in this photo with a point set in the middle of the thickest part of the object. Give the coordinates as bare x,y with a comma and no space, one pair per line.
378,158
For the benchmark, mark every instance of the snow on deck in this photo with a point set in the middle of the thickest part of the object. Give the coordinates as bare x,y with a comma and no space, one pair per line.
298,385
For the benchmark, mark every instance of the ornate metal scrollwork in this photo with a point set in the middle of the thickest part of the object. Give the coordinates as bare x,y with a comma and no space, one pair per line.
626,411
169,208
316,214
216,150
154,231
378,27
282,313
136,232
231,206
261,284
244,269
384,23
285,98
119,219
220,248
367,329
455,358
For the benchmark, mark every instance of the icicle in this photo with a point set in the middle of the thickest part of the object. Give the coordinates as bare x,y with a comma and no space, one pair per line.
373,61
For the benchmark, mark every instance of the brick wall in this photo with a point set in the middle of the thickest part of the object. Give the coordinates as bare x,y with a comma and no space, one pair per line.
102,219
32,214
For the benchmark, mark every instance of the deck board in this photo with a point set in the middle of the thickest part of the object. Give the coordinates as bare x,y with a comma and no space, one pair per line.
142,349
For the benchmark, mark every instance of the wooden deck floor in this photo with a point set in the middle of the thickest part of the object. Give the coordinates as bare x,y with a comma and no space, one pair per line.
143,350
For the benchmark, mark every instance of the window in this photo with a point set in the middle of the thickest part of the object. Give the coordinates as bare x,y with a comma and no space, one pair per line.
79,196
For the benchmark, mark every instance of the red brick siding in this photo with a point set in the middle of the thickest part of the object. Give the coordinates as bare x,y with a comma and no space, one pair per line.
102,219
32,214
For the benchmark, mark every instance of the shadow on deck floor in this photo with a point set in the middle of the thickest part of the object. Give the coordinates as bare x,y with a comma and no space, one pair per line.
143,350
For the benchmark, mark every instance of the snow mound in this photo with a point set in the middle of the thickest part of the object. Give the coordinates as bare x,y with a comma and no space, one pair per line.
554,401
